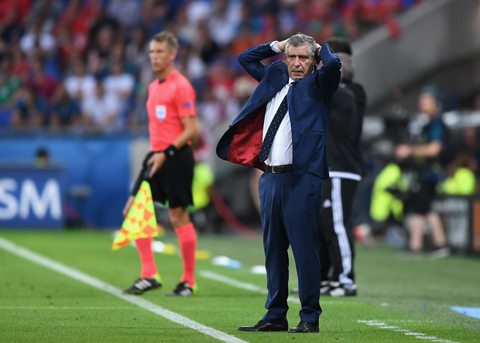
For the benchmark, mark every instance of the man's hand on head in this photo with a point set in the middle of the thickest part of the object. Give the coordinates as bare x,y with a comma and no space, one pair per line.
281,45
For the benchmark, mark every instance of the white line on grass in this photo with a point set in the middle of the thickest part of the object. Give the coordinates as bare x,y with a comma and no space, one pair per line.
63,308
247,286
239,284
89,280
384,325
232,282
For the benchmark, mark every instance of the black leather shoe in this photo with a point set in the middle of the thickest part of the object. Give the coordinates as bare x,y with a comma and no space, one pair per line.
263,326
304,327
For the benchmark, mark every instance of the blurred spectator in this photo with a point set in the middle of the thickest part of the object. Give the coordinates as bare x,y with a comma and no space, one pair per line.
95,64
9,82
120,85
212,33
68,51
198,10
42,158
76,19
21,7
80,85
101,110
137,51
224,20
11,29
45,84
65,111
125,11
19,64
191,65
52,8
186,29
119,53
31,110
154,16
221,80
204,45
103,36
210,110
37,36
242,89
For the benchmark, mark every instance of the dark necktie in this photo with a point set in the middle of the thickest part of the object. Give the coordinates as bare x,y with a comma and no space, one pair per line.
272,130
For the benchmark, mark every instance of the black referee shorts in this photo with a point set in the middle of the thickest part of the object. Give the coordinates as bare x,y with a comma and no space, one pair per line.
173,182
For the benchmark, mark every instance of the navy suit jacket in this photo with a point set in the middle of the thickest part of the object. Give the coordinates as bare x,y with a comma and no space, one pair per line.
309,104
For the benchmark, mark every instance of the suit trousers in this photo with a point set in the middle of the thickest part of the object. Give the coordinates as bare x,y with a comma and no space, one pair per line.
289,208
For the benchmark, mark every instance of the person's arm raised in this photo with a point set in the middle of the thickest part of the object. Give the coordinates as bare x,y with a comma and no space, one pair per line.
329,74
251,58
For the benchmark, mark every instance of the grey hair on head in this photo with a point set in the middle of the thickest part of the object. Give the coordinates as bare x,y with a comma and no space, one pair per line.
301,39
348,66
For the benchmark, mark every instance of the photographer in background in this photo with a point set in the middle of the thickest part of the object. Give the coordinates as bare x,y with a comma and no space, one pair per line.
425,156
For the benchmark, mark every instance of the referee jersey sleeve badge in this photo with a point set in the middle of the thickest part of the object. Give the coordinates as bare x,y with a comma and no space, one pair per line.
161,112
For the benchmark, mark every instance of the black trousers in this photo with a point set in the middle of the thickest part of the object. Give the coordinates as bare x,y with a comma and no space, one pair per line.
337,241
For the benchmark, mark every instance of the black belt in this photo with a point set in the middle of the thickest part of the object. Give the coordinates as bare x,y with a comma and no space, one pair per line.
279,169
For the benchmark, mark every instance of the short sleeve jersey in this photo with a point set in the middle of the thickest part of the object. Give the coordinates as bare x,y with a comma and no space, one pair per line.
168,102
434,131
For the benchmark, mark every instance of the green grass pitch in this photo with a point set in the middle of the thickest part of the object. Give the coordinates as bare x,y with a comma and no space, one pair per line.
400,300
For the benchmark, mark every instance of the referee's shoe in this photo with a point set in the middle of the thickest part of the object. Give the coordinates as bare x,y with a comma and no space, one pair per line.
183,289
144,284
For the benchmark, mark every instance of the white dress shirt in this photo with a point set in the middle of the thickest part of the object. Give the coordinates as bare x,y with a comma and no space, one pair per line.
281,152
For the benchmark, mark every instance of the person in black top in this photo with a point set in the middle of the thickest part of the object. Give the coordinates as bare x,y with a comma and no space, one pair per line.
342,45
346,169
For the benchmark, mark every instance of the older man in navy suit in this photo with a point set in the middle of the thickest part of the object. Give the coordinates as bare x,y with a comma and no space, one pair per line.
282,130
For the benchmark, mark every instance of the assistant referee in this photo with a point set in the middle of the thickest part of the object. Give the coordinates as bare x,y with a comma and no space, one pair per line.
168,167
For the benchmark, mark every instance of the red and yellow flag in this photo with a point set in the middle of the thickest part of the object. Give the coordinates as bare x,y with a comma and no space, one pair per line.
140,221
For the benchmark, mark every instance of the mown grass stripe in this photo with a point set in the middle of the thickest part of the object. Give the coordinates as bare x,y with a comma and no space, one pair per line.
89,280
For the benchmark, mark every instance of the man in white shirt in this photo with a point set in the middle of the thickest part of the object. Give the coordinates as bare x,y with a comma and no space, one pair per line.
102,110
282,130
80,85
119,84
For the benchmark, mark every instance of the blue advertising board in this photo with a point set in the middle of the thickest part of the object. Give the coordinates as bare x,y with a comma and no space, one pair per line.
31,197
100,165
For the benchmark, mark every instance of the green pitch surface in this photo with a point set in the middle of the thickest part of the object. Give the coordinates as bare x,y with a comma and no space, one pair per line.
64,287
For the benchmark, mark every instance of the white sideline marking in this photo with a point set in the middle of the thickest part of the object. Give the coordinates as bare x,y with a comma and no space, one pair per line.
62,308
232,282
382,325
239,284
89,280
207,274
